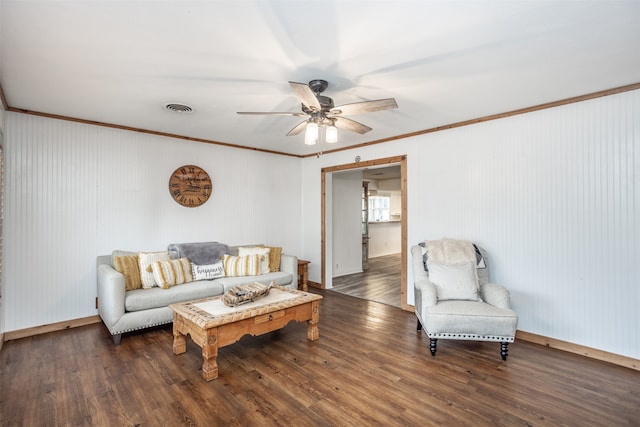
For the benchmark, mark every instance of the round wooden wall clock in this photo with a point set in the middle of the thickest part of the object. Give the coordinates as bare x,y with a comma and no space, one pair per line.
190,186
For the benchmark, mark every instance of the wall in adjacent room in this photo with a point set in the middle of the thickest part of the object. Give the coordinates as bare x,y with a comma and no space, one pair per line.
75,191
552,195
384,238
347,223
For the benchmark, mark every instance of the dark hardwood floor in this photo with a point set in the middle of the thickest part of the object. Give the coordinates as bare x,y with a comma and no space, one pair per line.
380,283
369,367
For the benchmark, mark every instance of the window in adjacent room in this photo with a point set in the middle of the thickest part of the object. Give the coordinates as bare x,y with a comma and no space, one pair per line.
379,207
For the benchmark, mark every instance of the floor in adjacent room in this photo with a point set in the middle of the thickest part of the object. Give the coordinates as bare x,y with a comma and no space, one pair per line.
380,283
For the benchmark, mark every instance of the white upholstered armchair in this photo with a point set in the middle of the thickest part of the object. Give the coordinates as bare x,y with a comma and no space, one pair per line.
453,296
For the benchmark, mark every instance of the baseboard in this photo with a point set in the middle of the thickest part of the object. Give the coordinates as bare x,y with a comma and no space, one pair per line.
1,341
52,327
592,353
314,284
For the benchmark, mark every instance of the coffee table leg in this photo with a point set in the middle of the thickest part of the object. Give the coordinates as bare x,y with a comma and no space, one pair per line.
179,339
210,355
313,333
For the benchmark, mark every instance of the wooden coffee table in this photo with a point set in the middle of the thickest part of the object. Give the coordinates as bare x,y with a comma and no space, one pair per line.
213,325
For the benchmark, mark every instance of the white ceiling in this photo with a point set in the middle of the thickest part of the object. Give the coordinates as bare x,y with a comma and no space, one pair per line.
121,62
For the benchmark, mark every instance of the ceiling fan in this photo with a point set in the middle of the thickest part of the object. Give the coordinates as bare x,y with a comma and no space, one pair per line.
322,112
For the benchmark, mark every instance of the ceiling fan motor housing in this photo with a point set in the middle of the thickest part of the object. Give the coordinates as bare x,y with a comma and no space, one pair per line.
325,102
318,85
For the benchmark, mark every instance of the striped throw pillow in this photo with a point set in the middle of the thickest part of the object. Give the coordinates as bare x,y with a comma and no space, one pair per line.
261,251
171,273
128,266
145,259
275,255
241,265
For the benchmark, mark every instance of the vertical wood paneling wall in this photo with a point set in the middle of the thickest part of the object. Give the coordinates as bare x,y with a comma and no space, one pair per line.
75,191
554,197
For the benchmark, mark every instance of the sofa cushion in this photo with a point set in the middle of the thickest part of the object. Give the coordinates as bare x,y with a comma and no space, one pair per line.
469,317
454,281
207,272
145,259
241,266
171,273
261,251
128,266
144,299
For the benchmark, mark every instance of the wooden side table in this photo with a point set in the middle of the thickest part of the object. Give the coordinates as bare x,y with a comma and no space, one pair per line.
303,274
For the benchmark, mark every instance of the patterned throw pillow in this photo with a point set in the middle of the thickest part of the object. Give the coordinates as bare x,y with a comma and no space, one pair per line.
128,266
274,258
171,273
207,272
145,259
241,266
261,251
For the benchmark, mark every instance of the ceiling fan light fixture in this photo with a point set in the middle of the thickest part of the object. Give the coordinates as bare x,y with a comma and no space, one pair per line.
331,135
311,134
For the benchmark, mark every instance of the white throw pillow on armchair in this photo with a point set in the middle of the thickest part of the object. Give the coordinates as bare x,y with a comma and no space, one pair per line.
458,282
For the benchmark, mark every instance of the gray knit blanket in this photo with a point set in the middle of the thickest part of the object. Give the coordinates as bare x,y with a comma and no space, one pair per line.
200,253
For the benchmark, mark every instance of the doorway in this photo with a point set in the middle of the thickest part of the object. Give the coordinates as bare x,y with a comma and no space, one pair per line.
327,224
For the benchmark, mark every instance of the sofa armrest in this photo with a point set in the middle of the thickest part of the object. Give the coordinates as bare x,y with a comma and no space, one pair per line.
289,264
495,295
111,293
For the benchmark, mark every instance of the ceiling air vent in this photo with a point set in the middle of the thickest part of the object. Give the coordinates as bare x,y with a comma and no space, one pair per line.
178,108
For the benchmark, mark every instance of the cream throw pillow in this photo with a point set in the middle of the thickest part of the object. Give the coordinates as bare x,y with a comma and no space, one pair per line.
261,251
241,265
128,266
207,272
171,273
459,281
145,259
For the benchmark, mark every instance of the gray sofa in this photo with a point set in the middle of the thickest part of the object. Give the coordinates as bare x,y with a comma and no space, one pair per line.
124,311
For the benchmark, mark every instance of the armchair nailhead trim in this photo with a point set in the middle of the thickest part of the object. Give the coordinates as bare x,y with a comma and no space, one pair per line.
470,337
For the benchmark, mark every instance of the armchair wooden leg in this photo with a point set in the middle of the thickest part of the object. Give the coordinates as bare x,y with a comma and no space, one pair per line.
504,350
418,325
117,338
433,343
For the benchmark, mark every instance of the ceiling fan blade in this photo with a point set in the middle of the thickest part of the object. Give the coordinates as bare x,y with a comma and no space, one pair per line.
364,107
306,95
351,125
274,113
299,128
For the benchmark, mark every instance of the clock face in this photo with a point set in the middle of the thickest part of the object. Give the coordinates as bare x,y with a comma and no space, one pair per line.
190,186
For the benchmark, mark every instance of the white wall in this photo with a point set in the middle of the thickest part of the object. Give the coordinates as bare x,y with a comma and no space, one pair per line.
2,327
552,195
75,191
347,222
